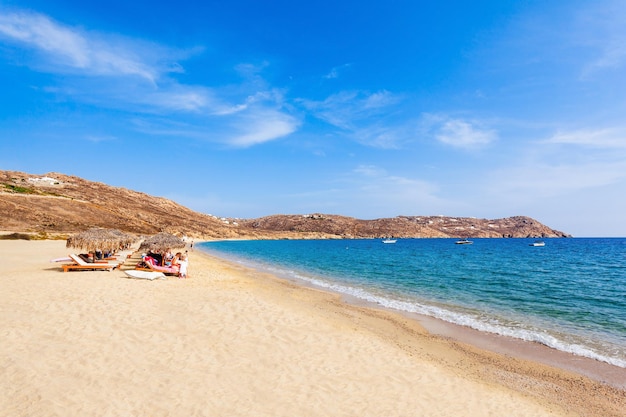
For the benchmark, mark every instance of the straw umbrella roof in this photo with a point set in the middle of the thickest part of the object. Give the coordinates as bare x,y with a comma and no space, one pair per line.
98,238
161,242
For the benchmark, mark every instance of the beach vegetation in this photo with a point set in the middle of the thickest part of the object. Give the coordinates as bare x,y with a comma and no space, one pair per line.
19,189
33,236
28,190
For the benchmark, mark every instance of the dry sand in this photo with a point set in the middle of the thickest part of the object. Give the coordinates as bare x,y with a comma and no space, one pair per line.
230,341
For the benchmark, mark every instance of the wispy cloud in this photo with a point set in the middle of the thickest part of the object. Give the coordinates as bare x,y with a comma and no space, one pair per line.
365,117
251,71
384,135
244,129
517,183
570,163
127,74
337,71
274,96
462,134
368,190
601,138
456,132
262,126
602,26
349,108
374,189
371,171
67,49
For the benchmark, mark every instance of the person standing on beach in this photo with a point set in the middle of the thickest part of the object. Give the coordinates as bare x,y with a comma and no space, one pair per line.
183,264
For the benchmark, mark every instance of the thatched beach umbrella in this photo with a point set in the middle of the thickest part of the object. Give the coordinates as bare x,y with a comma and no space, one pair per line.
161,242
97,238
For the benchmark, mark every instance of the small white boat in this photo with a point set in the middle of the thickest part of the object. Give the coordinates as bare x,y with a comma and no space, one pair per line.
538,243
463,242
390,240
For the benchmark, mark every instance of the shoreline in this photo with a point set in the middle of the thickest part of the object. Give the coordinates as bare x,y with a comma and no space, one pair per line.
599,371
231,340
514,363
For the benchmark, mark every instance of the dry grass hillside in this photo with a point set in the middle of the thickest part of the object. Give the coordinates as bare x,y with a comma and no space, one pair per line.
57,204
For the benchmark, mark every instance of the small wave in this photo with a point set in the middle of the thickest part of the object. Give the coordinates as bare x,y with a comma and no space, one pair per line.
488,326
476,321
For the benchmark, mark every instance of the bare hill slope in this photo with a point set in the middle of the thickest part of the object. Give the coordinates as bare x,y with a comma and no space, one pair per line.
55,203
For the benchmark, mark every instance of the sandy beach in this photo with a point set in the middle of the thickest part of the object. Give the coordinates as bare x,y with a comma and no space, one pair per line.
231,341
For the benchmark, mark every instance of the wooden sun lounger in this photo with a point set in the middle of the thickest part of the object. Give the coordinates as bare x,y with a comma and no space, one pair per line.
80,264
90,267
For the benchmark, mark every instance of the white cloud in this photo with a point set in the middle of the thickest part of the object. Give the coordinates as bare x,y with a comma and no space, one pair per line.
70,48
348,109
374,192
370,171
379,100
111,71
274,96
251,71
332,74
369,191
462,134
40,32
180,98
383,136
599,138
529,183
336,71
569,165
367,118
262,126
333,110
602,26
458,133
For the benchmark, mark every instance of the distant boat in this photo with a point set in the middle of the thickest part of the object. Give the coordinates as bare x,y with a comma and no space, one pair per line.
389,240
538,243
463,242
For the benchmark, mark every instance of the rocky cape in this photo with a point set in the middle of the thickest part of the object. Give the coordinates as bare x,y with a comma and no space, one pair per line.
55,205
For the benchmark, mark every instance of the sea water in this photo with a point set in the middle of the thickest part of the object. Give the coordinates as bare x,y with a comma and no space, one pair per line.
569,294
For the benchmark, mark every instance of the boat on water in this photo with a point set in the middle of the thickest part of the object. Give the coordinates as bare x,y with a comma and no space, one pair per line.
538,243
390,240
464,242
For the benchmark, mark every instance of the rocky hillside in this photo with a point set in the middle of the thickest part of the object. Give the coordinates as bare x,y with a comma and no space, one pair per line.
405,226
58,204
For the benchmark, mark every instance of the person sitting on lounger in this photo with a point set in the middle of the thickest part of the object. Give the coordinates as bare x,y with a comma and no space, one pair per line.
157,257
150,263
86,257
168,257
176,260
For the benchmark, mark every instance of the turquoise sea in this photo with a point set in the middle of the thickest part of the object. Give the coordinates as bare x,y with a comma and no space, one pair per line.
569,294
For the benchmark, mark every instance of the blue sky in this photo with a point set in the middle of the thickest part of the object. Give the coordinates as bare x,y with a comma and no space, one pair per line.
363,108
